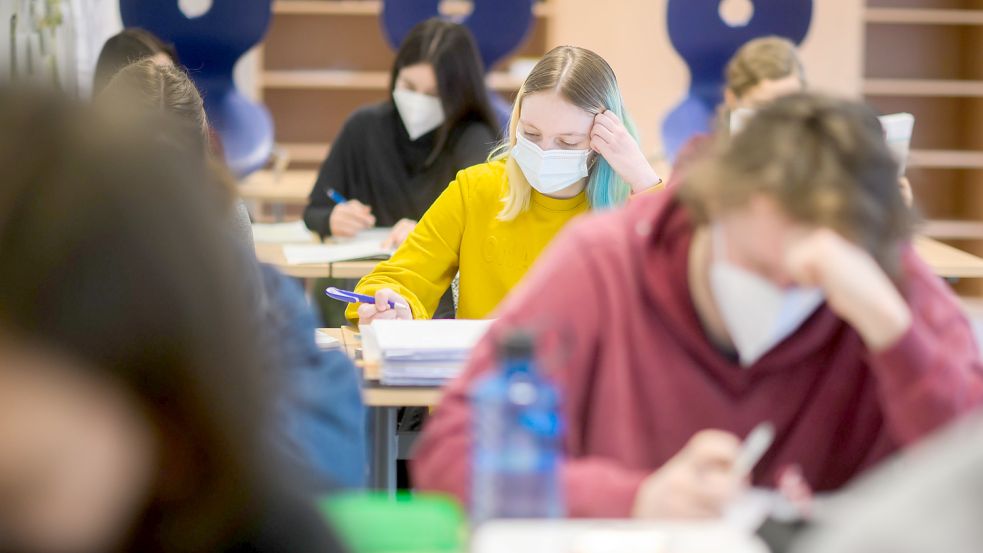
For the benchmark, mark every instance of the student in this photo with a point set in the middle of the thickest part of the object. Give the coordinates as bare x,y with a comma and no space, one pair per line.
776,284
761,71
322,418
132,402
126,47
392,160
571,147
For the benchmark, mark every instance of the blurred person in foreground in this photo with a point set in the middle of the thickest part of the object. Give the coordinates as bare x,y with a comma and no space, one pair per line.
322,424
133,396
926,501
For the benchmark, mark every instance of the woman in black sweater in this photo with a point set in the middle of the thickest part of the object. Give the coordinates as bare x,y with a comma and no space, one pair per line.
392,160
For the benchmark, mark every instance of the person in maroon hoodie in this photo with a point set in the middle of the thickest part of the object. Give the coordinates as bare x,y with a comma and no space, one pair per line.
777,284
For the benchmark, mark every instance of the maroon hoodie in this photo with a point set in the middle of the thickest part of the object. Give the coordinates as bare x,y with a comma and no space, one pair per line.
638,375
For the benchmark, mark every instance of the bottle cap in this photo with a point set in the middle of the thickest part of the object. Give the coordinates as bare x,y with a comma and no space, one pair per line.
517,344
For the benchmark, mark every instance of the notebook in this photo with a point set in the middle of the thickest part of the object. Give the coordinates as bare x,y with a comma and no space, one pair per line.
367,245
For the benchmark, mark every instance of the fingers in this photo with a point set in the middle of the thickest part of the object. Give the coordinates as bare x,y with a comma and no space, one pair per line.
367,313
713,449
399,234
352,217
602,133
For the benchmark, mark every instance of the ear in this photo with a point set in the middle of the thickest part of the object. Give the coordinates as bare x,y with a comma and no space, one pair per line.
730,99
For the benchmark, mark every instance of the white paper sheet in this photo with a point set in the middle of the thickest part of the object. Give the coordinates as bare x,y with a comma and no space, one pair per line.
282,233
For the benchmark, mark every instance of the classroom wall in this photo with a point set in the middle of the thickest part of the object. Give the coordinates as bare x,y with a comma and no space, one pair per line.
632,36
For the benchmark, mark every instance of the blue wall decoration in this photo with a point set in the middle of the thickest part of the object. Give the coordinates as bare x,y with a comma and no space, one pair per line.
499,27
209,47
706,43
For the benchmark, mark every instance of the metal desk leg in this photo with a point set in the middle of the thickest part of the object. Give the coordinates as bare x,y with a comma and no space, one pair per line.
382,472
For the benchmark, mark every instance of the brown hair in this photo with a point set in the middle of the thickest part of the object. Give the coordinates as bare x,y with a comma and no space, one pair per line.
110,253
823,160
166,88
762,59
128,46
585,80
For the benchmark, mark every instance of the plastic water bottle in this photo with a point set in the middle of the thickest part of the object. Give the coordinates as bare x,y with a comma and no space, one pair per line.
517,437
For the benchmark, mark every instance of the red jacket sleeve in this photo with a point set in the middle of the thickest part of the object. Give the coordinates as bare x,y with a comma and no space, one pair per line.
932,374
593,487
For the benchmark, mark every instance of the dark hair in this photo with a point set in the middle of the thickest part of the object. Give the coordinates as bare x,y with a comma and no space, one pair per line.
452,52
110,253
823,160
125,47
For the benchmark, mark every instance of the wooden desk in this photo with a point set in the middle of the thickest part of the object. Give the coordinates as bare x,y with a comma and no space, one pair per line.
291,188
273,254
947,261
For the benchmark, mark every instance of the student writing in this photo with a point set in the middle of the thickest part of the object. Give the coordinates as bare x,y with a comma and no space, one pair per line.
571,147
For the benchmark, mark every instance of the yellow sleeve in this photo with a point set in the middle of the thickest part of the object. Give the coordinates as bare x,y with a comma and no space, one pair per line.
423,267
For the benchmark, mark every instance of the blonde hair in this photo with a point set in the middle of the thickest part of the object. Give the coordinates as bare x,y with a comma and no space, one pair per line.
587,81
762,59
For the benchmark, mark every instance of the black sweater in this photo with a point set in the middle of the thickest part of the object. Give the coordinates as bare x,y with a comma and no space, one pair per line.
374,161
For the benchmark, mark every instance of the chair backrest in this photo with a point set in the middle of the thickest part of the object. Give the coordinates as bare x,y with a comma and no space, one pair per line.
499,27
209,47
706,43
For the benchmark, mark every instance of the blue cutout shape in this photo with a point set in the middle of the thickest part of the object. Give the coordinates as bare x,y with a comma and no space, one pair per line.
706,43
209,47
499,27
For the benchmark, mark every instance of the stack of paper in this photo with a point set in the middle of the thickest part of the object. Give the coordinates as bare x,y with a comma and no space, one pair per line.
422,352
367,245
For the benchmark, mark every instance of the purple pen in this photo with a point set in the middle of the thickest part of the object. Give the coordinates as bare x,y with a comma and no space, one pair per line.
352,297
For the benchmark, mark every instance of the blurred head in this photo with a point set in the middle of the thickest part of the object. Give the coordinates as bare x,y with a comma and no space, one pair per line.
147,86
126,47
555,110
802,162
761,71
439,60
129,410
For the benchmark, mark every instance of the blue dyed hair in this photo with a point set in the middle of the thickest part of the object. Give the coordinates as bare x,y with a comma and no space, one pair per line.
588,82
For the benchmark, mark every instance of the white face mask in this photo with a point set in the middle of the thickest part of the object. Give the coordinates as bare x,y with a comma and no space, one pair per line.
421,113
549,171
758,314
739,118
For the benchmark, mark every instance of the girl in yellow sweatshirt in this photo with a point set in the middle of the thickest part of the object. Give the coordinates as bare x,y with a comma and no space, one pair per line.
571,147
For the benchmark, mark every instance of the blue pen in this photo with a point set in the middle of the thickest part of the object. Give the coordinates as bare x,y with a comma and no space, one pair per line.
352,297
336,197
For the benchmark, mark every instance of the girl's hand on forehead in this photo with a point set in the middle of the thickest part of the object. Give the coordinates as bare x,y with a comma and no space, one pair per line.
610,139
856,287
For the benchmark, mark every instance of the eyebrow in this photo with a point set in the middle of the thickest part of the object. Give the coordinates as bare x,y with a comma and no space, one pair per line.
532,127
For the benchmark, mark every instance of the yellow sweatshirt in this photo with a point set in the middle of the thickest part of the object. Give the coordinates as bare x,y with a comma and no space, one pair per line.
461,231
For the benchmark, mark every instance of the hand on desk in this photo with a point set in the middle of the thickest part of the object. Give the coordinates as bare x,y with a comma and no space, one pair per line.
350,218
699,482
401,230
369,312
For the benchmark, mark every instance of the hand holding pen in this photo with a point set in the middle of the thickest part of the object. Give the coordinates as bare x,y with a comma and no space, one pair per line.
349,217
